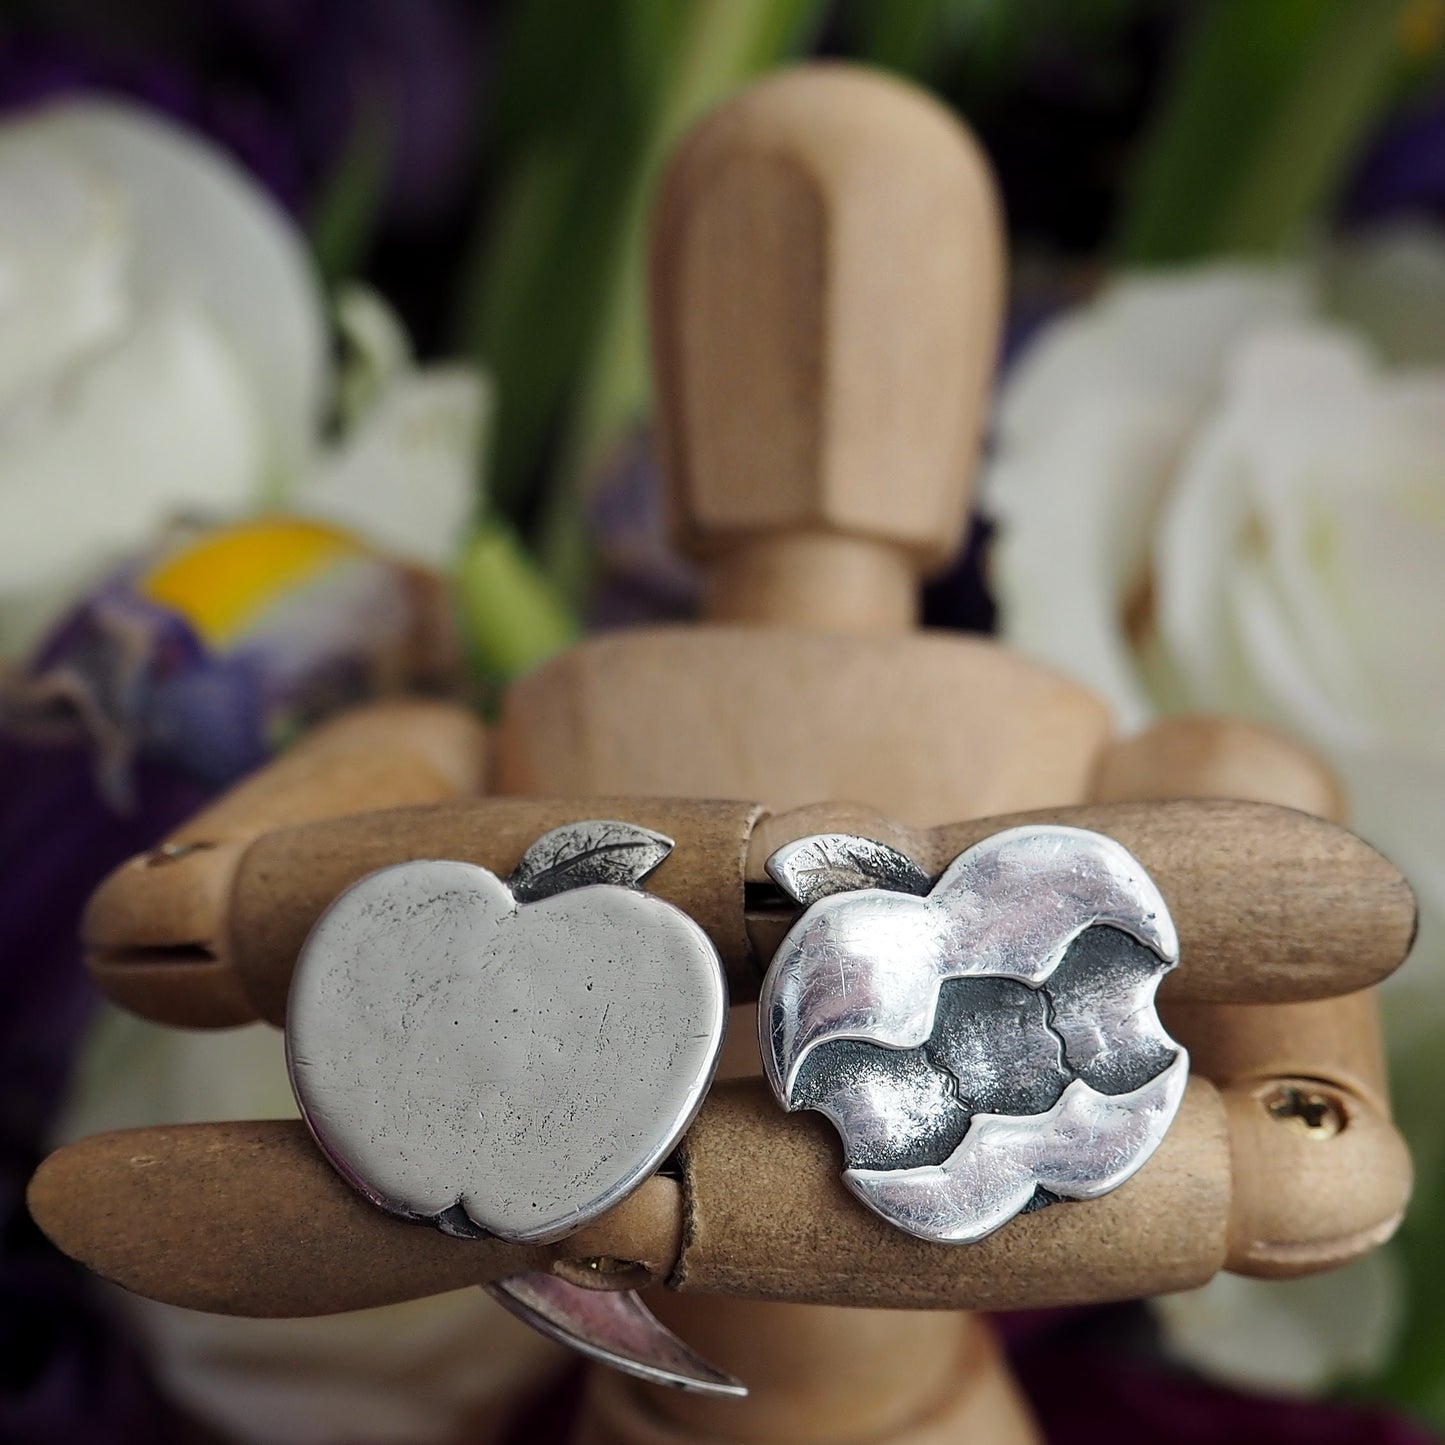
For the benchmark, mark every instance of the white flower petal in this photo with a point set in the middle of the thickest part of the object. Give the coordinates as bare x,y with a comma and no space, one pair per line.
1390,285
1089,433
1165,333
1234,514
1270,674
1397,798
1296,1336
64,252
407,478
1202,518
1087,534
1297,541
378,350
206,230
93,463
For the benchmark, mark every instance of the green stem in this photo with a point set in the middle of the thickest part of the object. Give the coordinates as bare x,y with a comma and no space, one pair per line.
724,42
1303,156
1259,125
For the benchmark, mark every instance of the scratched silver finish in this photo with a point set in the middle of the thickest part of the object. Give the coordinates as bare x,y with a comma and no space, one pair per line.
988,1047
499,1066
828,863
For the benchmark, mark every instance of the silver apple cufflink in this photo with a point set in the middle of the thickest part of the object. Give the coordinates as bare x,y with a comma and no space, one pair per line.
511,1058
986,1044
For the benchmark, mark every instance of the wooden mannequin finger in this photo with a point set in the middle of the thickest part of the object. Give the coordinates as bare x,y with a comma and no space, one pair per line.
1336,1040
149,928
1321,1176
770,1218
245,939
1271,904
1332,1040
250,1219
1304,1084
1252,1180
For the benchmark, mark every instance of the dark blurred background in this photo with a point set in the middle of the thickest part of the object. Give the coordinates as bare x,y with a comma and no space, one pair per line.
487,168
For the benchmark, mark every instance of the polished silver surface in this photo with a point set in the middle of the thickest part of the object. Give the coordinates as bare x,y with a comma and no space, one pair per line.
988,1047
614,1328
508,1058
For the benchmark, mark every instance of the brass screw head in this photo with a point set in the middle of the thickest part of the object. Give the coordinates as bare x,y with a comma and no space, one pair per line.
1313,1109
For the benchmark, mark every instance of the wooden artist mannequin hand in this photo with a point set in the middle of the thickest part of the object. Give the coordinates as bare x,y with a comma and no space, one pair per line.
825,298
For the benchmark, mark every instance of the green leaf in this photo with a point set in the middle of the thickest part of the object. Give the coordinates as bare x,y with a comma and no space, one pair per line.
569,121
975,49
721,44
344,218
513,615
903,35
1263,117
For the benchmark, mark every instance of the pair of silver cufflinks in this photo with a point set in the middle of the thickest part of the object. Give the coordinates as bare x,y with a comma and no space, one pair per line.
511,1058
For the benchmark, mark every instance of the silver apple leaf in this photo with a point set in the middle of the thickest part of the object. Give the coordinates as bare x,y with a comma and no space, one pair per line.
828,863
578,855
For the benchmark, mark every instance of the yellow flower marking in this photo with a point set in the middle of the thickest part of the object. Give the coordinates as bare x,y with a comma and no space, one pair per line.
223,581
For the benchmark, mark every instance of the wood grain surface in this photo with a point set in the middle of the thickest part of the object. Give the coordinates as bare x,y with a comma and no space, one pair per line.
1270,904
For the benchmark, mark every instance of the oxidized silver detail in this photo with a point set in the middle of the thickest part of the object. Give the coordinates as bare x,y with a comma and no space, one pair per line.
986,1046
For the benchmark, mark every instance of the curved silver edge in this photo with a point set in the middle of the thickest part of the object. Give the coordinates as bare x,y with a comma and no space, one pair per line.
614,1328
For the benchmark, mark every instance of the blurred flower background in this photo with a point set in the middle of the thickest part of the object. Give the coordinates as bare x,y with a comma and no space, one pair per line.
322,373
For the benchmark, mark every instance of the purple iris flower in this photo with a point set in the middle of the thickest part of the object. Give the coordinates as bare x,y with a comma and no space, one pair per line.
38,67
1402,172
414,66
286,86
67,1375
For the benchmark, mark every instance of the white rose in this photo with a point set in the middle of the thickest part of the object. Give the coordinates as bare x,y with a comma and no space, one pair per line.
1223,490
163,351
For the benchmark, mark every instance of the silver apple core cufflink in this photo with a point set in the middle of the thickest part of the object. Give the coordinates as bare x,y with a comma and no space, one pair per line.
511,1058
986,1044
